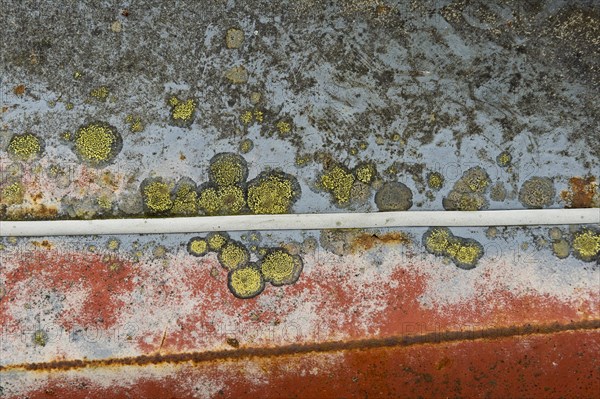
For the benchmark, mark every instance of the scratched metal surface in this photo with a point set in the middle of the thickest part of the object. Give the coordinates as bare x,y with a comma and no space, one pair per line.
470,105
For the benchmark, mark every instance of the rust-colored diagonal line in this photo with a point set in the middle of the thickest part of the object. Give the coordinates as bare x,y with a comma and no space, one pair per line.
290,350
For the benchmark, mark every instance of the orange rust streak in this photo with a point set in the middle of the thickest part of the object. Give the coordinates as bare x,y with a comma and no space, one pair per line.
367,241
582,193
300,349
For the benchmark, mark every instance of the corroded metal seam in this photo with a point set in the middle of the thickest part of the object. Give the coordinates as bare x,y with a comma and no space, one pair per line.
319,221
299,349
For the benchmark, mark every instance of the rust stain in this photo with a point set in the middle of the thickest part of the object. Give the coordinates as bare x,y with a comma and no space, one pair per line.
310,348
582,193
37,211
19,90
43,244
367,241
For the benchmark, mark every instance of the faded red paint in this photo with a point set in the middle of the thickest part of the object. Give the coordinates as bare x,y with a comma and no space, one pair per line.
558,365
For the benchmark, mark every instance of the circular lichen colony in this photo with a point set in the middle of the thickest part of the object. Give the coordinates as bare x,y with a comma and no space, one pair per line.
280,267
436,240
197,246
156,195
216,240
394,196
504,159
586,244
25,147
182,111
467,194
537,192
226,200
435,180
227,169
245,282
365,172
273,193
233,255
97,144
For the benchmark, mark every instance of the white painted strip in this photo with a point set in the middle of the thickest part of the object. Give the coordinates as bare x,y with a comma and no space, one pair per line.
200,224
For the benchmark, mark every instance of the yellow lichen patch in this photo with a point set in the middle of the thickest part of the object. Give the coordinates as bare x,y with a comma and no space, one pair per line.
233,255
105,202
246,117
156,195
182,111
12,194
97,144
284,127
365,172
185,201
435,180
113,244
135,124
237,74
504,159
258,115
216,240
25,146
586,244
436,240
272,193
227,169
197,246
280,267
100,93
338,181
440,241
246,146
245,282
227,200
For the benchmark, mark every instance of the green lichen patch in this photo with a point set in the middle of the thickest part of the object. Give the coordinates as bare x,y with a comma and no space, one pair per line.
156,195
537,192
273,192
227,169
245,282
97,144
394,196
279,267
25,147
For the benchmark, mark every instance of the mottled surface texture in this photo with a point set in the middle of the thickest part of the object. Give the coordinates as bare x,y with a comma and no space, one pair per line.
170,108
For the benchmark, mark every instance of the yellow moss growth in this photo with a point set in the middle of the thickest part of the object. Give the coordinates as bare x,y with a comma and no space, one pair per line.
272,193
157,196
338,181
246,282
586,244
280,267
25,146
233,255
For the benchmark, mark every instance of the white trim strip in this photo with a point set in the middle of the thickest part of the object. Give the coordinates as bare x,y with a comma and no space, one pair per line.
200,224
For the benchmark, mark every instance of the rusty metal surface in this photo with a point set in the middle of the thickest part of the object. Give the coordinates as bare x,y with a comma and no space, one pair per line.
121,109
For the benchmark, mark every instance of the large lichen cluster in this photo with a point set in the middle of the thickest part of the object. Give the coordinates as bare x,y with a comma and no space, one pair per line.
156,195
586,244
537,192
25,147
347,186
245,278
273,192
182,111
467,194
464,252
97,144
